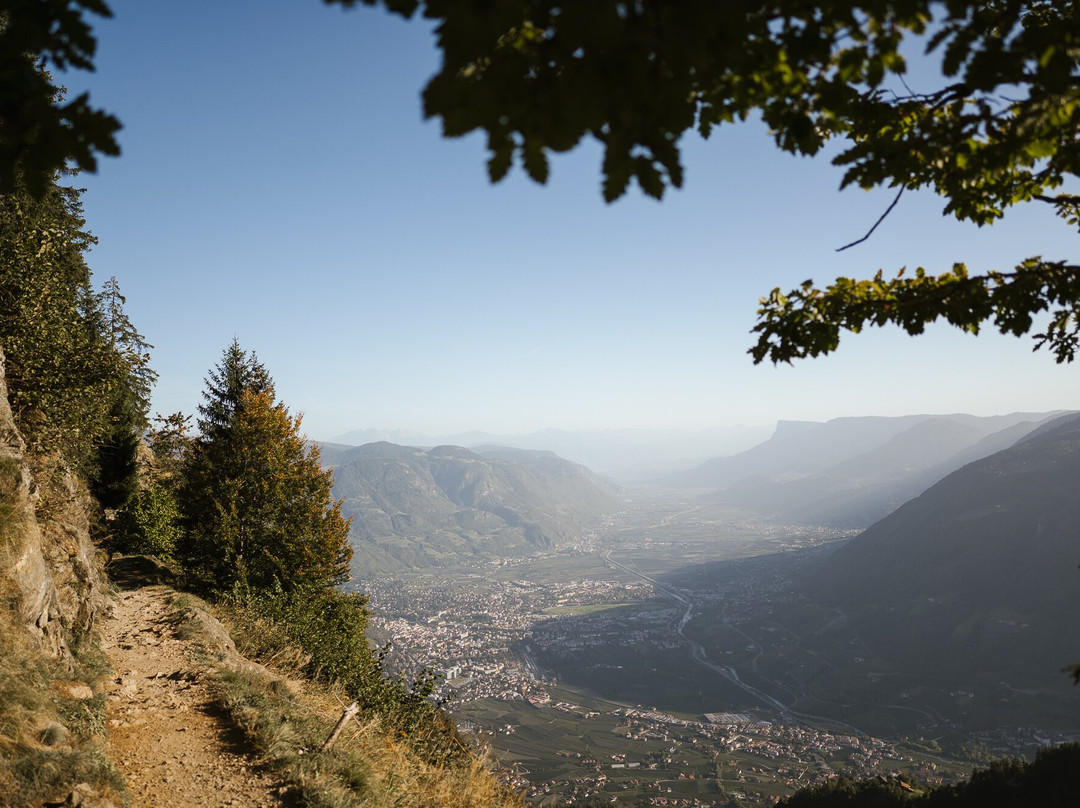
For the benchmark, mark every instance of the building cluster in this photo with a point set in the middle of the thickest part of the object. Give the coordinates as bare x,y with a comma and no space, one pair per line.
487,637
476,633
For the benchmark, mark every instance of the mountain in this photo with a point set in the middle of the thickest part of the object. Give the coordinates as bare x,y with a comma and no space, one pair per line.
624,454
800,448
824,475
416,508
977,577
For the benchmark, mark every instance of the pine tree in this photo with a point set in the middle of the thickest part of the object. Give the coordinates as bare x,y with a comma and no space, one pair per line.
131,347
236,373
257,506
114,478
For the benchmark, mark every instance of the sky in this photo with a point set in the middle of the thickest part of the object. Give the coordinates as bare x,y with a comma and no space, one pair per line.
279,184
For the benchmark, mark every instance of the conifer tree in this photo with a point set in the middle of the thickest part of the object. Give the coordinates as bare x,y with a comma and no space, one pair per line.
114,479
257,506
132,349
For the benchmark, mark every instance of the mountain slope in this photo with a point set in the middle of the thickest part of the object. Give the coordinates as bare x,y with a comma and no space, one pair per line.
797,448
979,573
864,487
625,454
416,508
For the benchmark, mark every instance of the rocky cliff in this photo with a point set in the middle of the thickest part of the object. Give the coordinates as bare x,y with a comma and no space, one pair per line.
48,571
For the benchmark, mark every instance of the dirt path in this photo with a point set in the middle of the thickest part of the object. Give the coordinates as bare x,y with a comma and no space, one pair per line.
166,735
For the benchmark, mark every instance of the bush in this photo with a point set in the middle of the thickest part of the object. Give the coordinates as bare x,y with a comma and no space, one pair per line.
149,524
328,626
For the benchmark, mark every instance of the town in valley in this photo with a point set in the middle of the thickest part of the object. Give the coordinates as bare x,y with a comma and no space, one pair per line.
585,672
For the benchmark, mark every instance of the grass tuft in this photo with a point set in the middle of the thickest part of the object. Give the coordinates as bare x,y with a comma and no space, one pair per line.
372,764
49,742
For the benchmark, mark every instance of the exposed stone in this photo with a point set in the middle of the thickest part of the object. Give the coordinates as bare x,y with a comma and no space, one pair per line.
83,796
50,559
74,690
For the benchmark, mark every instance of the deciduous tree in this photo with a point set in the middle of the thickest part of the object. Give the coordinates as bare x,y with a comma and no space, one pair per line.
41,132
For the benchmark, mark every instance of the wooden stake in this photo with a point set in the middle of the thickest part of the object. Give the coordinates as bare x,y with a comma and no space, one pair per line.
350,712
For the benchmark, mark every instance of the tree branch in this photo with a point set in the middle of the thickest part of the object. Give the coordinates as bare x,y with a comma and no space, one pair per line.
879,221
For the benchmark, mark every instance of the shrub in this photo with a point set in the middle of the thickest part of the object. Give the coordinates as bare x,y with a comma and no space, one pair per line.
328,628
149,524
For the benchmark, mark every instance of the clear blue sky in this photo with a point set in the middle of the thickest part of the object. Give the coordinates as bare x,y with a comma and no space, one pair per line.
279,183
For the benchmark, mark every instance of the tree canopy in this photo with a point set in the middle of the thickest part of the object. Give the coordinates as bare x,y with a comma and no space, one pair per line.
42,132
998,128
68,372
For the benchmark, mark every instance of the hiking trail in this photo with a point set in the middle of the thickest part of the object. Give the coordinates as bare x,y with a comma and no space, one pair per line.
172,742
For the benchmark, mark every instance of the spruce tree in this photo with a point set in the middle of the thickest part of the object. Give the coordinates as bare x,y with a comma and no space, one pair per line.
257,506
114,478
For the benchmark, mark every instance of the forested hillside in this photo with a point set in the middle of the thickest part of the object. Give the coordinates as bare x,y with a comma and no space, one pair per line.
851,472
975,575
415,508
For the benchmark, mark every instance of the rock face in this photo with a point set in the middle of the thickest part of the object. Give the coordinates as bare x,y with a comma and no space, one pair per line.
47,560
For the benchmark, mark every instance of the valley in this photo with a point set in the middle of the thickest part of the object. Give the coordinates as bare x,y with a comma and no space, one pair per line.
671,649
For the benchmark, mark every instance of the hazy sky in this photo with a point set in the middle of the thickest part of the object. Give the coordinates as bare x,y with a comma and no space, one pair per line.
279,183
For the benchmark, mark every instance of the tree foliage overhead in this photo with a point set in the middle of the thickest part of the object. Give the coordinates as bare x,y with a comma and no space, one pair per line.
998,128
41,132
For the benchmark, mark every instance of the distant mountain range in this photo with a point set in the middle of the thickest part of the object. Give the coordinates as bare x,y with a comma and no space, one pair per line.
850,472
417,508
627,455
977,576
956,612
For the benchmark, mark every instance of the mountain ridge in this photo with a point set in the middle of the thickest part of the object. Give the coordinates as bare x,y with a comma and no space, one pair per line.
910,455
415,508
982,562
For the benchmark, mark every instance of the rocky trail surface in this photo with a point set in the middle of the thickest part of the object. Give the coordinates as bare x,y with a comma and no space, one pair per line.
167,735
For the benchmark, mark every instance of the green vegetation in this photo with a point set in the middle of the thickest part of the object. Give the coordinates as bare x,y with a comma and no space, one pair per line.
259,530
1052,779
51,727
256,505
43,132
243,508
150,523
376,762
416,508
321,635
52,715
995,128
65,371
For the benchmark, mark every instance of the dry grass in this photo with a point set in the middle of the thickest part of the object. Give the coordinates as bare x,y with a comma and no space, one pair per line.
51,734
367,767
49,741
